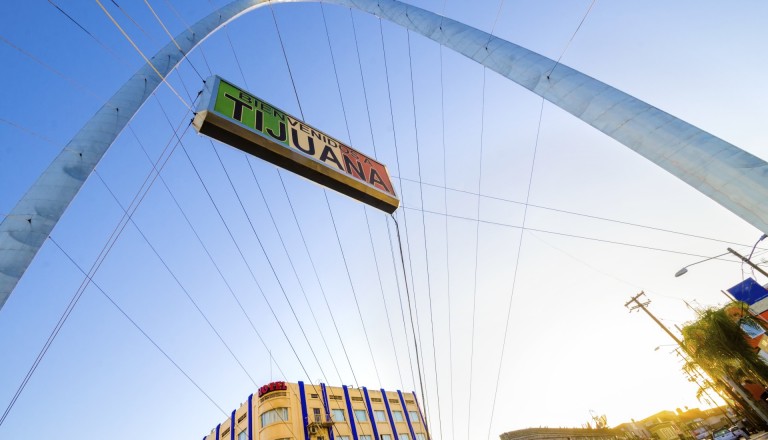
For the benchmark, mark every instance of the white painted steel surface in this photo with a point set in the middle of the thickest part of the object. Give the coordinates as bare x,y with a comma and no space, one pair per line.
730,176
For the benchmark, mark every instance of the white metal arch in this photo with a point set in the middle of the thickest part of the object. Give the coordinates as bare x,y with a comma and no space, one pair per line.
730,176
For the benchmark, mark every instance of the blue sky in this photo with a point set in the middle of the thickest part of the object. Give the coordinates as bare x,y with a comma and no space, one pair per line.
572,346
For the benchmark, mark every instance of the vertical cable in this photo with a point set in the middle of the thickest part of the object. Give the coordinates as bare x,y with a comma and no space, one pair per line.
426,250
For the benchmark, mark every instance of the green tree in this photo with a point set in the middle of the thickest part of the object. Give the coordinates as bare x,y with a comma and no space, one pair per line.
717,343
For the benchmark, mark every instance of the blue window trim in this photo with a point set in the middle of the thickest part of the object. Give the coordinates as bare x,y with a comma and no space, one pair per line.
421,414
389,413
352,419
370,414
405,411
304,416
232,426
250,417
327,409
218,428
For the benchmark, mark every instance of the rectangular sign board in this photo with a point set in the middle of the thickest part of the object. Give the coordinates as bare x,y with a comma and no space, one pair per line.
235,117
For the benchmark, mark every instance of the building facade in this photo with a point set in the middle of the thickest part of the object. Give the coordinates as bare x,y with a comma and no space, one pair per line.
562,434
299,411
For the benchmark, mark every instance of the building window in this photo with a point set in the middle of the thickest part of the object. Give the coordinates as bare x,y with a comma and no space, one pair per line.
386,437
414,416
343,437
365,437
404,437
338,415
398,416
360,415
243,435
420,436
274,416
380,416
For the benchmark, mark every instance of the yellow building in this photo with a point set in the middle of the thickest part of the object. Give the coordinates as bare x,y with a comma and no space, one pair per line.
298,411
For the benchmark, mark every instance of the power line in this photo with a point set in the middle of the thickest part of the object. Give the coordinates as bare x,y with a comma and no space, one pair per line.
564,211
563,234
593,268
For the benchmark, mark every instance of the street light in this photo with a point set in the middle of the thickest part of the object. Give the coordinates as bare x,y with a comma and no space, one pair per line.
684,270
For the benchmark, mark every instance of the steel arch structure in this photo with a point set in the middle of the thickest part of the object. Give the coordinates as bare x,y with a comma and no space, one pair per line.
730,176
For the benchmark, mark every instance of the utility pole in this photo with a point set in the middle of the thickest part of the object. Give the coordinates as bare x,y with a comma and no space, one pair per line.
641,306
748,261
637,304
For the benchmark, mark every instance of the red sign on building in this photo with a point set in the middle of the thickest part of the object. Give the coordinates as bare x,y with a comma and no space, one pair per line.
274,386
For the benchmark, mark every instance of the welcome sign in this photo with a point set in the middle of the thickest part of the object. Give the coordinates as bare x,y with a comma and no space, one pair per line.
233,116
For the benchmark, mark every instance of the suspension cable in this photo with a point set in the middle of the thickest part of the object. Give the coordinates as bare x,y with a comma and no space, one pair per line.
426,249
293,267
402,197
447,247
365,210
136,326
328,203
173,39
116,232
408,295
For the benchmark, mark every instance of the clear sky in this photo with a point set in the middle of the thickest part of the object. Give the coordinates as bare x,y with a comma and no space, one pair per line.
571,347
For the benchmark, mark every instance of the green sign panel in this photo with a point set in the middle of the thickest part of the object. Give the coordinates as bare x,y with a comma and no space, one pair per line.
238,118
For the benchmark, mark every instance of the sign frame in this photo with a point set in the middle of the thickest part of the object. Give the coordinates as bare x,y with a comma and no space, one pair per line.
231,131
